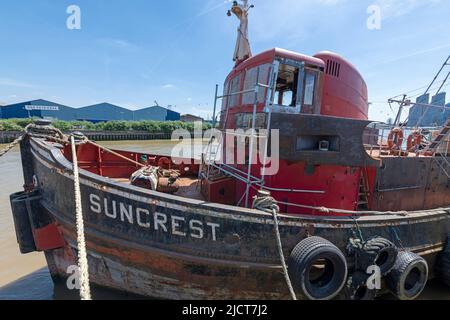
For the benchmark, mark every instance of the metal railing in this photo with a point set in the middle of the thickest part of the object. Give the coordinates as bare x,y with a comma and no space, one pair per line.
376,137
376,145
244,176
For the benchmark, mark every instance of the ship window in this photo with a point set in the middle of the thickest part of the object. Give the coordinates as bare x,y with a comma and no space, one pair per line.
310,84
225,92
286,88
235,86
251,81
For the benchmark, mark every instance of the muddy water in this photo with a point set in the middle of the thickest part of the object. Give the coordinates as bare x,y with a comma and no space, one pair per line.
26,276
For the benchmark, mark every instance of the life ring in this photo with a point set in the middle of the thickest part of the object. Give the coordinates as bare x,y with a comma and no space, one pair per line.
165,163
414,140
408,277
331,276
395,139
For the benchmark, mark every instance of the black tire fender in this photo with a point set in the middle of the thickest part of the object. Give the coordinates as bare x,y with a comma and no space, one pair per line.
330,280
378,251
408,277
443,264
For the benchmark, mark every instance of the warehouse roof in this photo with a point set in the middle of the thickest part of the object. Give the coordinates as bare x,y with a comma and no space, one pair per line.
98,112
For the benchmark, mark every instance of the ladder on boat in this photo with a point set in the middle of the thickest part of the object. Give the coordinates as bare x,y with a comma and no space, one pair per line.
443,163
439,140
363,193
241,175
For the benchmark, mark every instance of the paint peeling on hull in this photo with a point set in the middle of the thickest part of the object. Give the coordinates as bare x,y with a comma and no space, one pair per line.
167,258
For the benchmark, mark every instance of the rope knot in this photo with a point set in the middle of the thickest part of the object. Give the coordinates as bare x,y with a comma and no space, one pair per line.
324,210
265,202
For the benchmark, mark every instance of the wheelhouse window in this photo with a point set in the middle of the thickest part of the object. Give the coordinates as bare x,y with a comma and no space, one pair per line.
254,76
287,86
297,88
310,85
235,86
226,88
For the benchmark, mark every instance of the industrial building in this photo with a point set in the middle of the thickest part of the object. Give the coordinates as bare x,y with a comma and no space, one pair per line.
103,112
191,118
426,113
38,108
95,113
156,113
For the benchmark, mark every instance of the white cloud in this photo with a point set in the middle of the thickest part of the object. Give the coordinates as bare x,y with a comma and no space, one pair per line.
397,8
410,54
119,44
168,86
14,83
290,19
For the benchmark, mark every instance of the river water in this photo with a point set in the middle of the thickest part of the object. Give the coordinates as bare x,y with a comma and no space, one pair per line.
26,276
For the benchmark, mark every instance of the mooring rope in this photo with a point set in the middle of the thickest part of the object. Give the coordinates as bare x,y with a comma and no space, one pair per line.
10,146
267,203
114,153
85,291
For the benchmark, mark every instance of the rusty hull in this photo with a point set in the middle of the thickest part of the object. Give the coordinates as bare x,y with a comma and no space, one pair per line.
238,260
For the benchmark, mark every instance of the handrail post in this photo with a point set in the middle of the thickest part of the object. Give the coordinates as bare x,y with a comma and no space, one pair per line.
250,156
215,106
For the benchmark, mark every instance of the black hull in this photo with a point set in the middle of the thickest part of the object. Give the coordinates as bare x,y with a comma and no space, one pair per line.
164,246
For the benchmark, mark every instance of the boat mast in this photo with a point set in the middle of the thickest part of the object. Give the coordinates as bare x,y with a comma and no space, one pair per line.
242,51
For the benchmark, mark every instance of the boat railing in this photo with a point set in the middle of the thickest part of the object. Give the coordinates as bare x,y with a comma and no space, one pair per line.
376,138
251,134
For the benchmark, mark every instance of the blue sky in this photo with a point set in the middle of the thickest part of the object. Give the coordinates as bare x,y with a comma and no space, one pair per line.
132,53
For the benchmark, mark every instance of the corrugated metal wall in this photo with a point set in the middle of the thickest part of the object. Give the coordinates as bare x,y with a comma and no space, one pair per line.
95,113
103,112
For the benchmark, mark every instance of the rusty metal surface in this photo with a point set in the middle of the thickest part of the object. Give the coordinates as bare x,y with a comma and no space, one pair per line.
349,132
233,256
410,183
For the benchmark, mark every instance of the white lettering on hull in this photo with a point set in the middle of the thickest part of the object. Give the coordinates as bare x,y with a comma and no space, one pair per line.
175,225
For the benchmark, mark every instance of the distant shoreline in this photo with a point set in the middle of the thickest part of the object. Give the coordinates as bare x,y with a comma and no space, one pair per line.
10,136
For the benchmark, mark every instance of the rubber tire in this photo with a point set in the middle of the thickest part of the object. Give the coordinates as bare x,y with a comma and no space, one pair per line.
300,262
356,288
443,264
378,251
397,278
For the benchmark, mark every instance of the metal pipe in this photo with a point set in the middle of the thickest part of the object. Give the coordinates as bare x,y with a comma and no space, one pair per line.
215,106
250,157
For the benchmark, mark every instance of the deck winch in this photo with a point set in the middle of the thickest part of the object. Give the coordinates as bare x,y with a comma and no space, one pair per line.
156,179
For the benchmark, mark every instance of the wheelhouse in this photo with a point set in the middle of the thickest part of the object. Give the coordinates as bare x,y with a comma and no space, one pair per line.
289,82
286,82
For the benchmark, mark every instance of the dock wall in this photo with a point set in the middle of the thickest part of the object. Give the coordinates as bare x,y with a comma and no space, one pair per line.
9,136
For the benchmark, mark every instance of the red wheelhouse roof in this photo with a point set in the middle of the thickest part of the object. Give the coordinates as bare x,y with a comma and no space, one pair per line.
269,55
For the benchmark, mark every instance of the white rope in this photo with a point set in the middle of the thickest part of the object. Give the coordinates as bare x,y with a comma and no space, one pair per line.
114,153
10,146
266,203
85,291
280,252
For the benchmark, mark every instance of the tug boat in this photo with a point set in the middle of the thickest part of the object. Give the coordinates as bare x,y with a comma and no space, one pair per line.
344,194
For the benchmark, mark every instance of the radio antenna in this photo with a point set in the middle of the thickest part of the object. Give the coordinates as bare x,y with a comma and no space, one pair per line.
243,50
